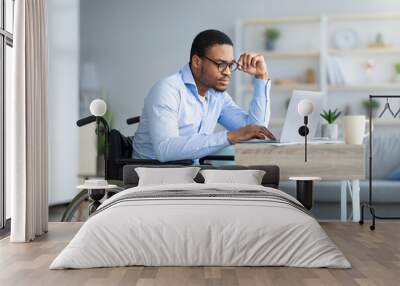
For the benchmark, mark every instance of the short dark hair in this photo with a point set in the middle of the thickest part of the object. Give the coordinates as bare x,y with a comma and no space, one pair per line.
206,39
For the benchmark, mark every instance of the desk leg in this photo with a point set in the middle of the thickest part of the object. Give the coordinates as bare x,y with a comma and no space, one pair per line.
343,201
355,185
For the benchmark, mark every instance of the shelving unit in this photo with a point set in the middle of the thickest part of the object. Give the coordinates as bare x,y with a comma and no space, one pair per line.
364,87
285,87
312,49
305,53
290,87
291,54
364,51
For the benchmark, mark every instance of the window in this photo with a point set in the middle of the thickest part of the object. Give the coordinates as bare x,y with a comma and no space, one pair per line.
6,43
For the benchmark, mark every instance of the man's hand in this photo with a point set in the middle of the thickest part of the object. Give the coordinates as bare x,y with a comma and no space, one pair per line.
249,132
253,64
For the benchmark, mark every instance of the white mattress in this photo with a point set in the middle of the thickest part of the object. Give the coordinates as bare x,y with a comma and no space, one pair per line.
188,231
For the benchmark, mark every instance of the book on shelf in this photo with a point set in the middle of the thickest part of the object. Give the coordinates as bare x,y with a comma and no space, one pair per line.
335,71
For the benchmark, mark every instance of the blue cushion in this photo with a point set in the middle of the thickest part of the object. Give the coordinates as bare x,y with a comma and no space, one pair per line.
395,174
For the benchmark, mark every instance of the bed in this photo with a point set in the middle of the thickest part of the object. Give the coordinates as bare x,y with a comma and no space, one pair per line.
197,224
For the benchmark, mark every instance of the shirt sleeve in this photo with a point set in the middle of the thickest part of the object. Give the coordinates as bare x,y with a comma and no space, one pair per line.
233,117
162,106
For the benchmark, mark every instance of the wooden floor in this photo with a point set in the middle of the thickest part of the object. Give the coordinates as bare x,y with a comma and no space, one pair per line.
375,257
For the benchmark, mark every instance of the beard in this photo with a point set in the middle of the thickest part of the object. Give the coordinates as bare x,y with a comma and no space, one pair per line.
219,89
210,84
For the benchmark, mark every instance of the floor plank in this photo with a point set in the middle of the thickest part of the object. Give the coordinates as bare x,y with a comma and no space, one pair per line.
374,255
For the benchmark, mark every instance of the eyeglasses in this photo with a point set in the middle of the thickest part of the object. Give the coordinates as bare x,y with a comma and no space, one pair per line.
223,65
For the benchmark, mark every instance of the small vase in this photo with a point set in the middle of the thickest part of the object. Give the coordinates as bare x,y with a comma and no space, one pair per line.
330,131
270,45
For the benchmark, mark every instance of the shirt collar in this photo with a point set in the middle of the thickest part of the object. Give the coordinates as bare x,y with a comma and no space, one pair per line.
188,79
187,75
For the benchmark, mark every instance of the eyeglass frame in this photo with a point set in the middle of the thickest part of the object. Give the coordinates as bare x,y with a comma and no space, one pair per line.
223,62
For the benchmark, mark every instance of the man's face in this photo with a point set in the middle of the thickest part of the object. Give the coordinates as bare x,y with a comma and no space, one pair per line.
208,72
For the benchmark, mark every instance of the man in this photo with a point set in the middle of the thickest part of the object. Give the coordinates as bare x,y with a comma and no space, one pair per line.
181,111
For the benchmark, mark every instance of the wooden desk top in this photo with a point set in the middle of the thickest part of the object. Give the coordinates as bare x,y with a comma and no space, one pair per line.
328,161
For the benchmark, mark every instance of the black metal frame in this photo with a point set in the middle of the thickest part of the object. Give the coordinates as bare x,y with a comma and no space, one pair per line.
369,205
98,119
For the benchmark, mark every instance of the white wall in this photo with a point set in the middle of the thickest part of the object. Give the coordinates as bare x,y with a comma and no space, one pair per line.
135,43
63,37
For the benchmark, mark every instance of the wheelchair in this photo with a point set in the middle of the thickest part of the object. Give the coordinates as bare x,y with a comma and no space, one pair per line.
118,153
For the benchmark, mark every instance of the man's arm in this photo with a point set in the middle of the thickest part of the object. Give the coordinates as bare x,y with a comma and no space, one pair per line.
233,117
162,106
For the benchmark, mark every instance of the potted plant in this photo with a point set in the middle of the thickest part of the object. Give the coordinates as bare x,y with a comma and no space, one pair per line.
330,130
374,105
397,69
271,36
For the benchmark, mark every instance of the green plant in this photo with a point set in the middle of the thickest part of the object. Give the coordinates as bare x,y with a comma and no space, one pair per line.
272,34
373,104
397,68
330,116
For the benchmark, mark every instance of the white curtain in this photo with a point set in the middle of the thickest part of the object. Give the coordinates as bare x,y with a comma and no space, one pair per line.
27,151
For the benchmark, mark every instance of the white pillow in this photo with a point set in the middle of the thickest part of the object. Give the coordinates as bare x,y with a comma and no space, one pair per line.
249,177
166,176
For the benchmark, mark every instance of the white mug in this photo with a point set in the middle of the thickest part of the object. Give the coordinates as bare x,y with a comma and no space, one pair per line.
354,129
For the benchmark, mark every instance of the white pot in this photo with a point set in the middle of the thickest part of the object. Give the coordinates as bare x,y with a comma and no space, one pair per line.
330,131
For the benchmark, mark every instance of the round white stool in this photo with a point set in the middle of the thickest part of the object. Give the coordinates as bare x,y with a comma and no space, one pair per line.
96,193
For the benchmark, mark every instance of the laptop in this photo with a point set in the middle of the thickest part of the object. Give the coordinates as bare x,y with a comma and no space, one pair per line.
293,120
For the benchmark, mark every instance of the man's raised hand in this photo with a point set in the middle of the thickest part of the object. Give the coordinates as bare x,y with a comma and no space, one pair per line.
253,64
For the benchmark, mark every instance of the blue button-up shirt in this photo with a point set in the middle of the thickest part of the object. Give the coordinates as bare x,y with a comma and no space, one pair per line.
177,123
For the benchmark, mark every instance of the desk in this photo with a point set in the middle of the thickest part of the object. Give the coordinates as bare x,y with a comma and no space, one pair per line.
328,161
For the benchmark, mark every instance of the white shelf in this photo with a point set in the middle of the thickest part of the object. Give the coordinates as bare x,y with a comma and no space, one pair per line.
365,17
291,54
365,87
299,86
281,20
365,51
274,87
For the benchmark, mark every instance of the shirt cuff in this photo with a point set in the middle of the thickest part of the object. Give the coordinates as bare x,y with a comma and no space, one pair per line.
261,87
220,139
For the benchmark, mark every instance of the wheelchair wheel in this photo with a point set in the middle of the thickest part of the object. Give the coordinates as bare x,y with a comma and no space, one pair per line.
78,208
